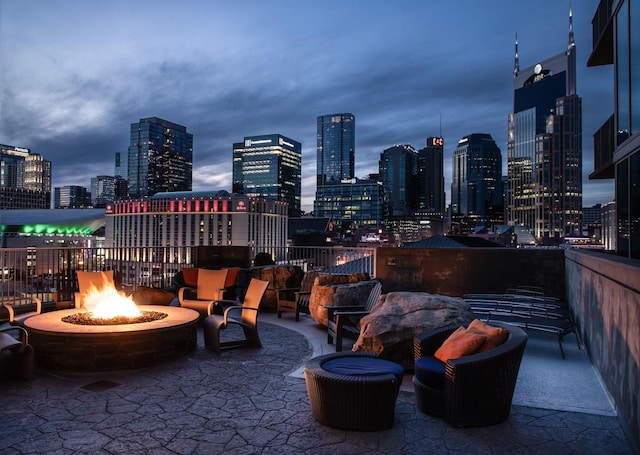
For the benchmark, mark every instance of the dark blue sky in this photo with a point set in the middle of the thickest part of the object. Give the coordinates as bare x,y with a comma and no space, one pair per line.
75,74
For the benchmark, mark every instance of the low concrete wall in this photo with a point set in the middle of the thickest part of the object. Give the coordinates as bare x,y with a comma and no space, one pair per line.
604,294
458,271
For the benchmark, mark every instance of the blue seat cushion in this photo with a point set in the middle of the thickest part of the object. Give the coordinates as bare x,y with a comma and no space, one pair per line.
430,372
363,366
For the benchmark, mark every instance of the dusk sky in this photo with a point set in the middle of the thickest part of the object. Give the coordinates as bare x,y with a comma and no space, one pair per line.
75,74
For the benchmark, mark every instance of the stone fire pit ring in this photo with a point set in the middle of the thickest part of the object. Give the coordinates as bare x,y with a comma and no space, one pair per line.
62,346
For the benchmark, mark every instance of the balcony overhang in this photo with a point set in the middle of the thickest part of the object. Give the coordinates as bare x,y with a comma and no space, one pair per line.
605,172
602,36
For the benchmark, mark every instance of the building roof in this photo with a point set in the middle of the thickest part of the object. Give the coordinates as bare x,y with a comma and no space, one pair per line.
87,220
308,224
453,241
182,194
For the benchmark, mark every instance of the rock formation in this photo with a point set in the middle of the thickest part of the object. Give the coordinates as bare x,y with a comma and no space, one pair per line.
337,289
391,326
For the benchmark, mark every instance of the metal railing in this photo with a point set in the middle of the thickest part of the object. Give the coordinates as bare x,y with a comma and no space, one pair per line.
49,273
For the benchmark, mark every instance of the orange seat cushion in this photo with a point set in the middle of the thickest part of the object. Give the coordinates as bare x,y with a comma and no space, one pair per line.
495,335
460,343
190,276
232,275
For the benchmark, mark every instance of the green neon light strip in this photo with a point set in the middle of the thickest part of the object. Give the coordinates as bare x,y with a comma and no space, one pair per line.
51,229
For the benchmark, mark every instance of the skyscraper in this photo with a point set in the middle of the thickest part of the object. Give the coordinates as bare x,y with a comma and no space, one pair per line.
71,197
25,179
160,158
105,189
430,178
544,156
336,148
353,205
476,184
398,169
269,166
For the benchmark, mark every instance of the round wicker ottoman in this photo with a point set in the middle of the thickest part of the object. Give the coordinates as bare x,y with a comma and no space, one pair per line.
353,390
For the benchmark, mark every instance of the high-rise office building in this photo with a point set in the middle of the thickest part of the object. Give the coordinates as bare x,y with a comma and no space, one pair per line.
544,156
398,170
71,197
476,183
430,179
269,166
105,189
336,148
25,179
352,205
616,41
160,158
121,168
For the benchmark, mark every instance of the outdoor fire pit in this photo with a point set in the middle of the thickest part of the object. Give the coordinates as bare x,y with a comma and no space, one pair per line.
74,347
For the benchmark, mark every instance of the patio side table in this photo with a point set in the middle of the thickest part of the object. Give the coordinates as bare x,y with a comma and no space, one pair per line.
353,390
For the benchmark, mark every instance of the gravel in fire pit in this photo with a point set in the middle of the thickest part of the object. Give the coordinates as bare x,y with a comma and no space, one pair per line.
87,319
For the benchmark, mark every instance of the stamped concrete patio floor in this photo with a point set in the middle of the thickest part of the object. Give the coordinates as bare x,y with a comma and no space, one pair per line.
253,401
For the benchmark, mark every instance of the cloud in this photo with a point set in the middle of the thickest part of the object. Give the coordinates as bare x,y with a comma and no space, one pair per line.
75,82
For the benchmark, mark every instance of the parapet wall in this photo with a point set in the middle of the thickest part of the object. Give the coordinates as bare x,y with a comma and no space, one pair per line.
458,271
604,294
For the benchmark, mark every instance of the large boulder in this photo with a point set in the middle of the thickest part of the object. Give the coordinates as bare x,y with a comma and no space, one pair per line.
327,286
399,316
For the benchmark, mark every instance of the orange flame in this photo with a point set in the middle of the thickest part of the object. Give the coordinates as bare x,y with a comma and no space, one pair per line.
107,303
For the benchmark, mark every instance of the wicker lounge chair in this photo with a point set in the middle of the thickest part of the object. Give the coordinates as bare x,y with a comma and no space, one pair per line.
476,389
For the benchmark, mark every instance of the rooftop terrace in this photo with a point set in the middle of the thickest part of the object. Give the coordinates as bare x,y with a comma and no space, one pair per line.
255,401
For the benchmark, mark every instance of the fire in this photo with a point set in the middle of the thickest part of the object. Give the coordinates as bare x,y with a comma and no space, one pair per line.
107,303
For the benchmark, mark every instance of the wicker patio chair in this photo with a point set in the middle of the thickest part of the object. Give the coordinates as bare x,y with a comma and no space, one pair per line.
248,320
476,389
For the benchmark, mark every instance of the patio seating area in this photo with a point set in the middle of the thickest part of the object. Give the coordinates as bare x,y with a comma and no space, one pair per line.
254,400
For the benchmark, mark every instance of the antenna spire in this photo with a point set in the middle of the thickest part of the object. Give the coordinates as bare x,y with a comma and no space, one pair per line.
516,64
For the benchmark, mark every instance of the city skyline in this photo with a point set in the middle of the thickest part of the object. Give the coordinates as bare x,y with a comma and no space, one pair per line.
395,67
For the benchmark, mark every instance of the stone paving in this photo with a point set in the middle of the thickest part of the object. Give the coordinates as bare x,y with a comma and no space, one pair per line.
245,401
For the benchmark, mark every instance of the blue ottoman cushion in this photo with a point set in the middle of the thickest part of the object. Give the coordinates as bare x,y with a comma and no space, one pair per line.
430,372
363,366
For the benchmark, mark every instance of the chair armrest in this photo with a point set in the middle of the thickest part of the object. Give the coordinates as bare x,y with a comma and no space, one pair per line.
351,313
279,292
297,289
23,336
234,307
228,303
11,311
